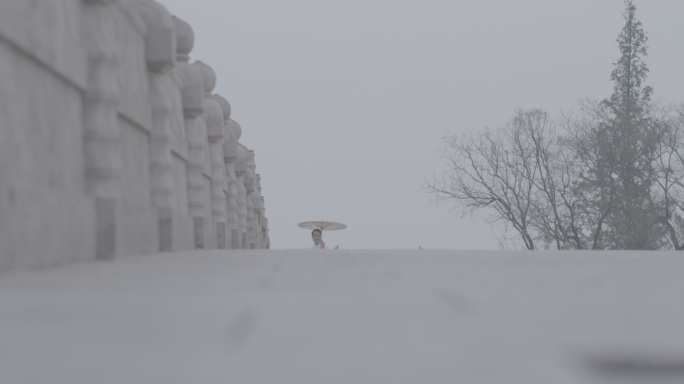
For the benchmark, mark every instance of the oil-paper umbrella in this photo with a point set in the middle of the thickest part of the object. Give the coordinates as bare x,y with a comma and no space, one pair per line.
322,225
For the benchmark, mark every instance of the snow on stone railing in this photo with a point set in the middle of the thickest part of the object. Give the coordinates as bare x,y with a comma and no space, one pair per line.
111,140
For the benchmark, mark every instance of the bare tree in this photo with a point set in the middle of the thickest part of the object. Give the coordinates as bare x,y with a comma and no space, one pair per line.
555,204
493,171
667,195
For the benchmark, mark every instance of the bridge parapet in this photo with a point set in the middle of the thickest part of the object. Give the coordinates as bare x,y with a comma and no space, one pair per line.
111,141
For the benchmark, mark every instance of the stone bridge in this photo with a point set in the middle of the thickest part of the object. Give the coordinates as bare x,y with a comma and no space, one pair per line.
348,316
111,140
118,163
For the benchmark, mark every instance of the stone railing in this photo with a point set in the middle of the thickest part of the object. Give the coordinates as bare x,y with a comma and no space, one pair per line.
111,140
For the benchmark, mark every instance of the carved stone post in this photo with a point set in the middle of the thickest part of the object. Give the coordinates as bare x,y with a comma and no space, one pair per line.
192,97
250,186
200,156
186,99
215,135
231,134
160,55
102,141
263,221
240,170
267,239
258,202
234,212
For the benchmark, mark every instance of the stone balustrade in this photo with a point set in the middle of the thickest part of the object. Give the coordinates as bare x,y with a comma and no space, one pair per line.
112,141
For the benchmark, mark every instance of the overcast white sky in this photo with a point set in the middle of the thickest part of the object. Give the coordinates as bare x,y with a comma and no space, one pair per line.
345,102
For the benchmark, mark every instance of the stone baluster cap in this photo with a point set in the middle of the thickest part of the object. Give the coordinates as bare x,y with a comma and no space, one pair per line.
230,142
236,128
208,76
189,76
225,105
159,32
212,109
192,93
185,39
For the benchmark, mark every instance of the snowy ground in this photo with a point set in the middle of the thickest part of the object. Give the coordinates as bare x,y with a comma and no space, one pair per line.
348,317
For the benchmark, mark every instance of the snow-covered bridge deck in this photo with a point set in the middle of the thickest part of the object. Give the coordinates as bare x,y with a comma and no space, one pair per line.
348,317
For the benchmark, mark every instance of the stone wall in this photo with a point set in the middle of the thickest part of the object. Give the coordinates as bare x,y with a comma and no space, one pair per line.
111,140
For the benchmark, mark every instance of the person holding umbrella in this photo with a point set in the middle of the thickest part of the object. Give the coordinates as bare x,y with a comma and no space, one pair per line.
317,231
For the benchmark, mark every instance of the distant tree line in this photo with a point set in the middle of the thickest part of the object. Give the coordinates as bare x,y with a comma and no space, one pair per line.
609,175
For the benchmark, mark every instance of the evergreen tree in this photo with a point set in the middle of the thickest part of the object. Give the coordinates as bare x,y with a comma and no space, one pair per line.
632,138
630,96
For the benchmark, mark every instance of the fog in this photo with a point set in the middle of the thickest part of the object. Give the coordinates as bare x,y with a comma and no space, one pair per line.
345,103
